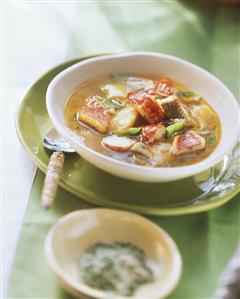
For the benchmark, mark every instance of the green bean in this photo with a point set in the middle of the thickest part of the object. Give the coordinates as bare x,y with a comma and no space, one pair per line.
128,132
176,127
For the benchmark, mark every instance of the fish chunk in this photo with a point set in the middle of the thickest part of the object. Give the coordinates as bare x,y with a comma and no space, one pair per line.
116,143
114,90
164,88
187,143
152,133
171,107
147,107
95,116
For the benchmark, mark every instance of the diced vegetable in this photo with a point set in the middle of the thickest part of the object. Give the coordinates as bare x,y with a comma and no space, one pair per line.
141,148
187,142
117,143
114,90
147,107
172,129
128,132
124,118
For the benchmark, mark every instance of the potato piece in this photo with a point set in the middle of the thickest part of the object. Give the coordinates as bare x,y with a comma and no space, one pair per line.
141,148
116,143
205,117
114,90
124,118
159,147
135,83
189,97
96,117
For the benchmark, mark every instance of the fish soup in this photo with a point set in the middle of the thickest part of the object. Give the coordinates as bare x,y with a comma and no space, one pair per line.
149,121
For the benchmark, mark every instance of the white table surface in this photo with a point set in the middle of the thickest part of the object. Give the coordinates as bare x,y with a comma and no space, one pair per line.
30,31
37,35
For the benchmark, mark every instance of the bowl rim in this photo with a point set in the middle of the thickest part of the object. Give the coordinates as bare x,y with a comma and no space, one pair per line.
81,288
187,170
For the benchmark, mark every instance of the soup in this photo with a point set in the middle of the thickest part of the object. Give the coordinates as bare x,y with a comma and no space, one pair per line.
149,121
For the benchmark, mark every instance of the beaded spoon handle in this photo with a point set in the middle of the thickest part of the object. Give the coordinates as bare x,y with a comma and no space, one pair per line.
55,143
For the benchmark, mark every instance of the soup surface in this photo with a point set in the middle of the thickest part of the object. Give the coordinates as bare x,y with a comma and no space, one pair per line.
145,121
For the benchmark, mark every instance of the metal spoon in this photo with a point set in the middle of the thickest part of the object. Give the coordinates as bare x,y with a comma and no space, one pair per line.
53,141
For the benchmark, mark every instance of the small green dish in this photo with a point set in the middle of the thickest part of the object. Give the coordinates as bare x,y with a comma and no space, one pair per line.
202,192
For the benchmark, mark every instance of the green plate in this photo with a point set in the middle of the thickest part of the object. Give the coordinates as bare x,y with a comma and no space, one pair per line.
203,192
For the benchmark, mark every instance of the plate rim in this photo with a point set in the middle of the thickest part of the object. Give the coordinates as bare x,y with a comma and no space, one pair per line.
86,195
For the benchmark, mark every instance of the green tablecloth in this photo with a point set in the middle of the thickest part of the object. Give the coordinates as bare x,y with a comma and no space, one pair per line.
206,242
194,30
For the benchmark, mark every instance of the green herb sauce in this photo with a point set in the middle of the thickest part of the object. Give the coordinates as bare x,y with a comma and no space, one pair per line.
116,267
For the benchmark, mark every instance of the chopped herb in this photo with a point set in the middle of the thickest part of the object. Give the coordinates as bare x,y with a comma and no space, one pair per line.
112,104
185,94
109,103
116,267
100,98
211,139
157,98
